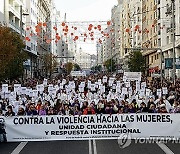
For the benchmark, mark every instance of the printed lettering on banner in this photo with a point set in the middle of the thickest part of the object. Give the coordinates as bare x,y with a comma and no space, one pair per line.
57,127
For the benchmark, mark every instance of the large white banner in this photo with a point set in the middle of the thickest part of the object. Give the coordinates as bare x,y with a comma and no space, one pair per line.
44,128
78,73
133,76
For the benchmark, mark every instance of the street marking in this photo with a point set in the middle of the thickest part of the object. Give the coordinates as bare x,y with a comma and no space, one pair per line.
90,147
19,148
165,148
95,148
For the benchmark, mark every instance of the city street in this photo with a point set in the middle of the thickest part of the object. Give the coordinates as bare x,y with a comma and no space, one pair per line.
87,147
89,76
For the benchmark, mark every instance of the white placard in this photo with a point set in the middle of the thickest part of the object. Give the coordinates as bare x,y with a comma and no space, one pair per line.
93,87
4,87
143,85
124,90
45,82
148,92
158,92
127,84
164,90
104,79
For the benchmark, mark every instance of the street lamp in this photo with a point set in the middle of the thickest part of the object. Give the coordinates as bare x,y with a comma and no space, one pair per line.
21,15
21,24
161,67
173,31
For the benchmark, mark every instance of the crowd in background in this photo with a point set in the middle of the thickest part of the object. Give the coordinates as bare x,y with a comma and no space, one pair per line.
91,102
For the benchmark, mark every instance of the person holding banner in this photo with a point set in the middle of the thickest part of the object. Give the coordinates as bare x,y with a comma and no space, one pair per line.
21,112
32,110
89,111
9,112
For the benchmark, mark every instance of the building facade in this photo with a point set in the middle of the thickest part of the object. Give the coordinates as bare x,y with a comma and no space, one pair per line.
44,8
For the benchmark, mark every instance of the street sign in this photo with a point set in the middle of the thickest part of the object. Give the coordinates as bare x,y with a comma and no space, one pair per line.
169,63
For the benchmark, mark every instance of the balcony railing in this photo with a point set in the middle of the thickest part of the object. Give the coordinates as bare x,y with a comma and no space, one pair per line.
16,28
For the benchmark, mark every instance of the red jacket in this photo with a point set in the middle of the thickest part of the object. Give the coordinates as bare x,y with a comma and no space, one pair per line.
86,112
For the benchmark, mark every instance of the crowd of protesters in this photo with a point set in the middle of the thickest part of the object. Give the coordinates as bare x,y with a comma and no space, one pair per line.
90,102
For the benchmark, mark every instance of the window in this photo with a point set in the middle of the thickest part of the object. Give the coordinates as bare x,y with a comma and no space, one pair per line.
167,40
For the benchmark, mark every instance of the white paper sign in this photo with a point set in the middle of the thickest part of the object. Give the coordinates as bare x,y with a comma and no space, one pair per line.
159,92
104,79
148,92
164,90
4,87
124,90
93,87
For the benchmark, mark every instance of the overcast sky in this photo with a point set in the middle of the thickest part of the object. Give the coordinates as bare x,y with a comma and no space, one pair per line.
86,10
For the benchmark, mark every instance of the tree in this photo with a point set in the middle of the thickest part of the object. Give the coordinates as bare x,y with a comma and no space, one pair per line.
110,63
136,62
12,55
98,68
69,67
50,63
77,67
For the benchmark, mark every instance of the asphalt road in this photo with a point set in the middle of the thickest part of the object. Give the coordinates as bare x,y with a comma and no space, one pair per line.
88,147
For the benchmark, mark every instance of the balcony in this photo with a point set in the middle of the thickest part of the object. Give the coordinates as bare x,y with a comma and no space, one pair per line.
29,50
16,28
155,7
14,12
155,22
